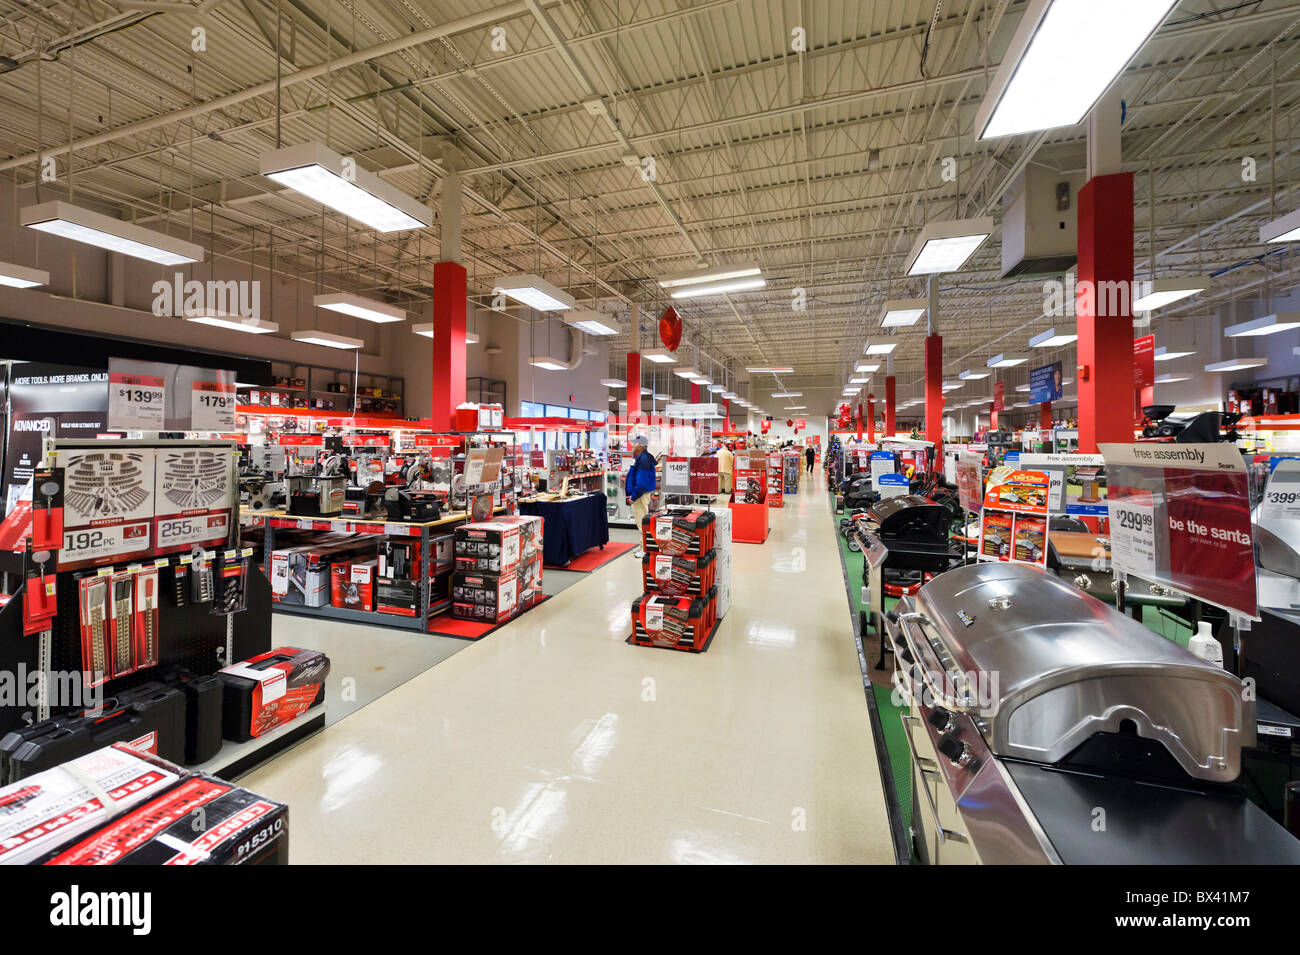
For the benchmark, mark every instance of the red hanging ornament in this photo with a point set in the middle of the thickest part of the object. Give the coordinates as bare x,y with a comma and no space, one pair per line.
670,329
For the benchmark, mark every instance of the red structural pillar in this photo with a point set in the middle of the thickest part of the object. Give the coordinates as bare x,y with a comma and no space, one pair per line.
934,392
695,393
859,422
1045,415
726,410
871,418
633,383
993,417
891,426
1105,317
448,342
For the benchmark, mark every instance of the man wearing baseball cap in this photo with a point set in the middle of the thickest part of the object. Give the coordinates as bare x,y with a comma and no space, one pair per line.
640,483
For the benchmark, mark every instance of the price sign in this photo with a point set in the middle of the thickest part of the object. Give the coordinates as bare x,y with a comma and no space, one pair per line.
1133,537
89,545
187,531
1282,493
677,474
136,402
212,406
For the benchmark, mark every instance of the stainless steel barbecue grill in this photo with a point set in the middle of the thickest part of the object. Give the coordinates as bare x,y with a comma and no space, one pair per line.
1047,727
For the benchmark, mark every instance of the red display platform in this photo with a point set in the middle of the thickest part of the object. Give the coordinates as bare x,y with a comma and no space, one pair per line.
595,558
749,522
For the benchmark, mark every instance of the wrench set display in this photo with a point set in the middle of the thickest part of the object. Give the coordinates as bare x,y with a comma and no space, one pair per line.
679,572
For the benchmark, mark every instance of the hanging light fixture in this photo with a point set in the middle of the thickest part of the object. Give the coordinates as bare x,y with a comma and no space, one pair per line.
945,246
1266,325
324,176
613,382
591,322
20,276
358,306
770,370
234,323
969,375
1285,229
884,348
1050,339
1236,364
81,225
1164,354
660,356
551,364
425,329
1043,82
1161,292
535,292
867,366
1005,361
716,281
314,336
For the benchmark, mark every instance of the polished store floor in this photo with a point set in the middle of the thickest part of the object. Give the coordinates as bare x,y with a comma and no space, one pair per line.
552,740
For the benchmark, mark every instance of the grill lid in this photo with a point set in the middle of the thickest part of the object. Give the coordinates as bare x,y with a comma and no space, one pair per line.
1044,666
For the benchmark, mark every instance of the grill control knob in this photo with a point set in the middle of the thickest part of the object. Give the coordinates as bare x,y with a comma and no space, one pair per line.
958,752
942,720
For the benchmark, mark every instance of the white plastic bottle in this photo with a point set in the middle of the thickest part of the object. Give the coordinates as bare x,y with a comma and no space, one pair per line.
1205,646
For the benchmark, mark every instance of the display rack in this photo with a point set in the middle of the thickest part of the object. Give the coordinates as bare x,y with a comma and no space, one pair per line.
314,387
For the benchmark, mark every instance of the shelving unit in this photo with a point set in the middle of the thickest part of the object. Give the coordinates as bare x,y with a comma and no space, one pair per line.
316,393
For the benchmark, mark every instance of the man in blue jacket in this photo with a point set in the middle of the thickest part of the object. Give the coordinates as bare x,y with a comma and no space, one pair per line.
640,483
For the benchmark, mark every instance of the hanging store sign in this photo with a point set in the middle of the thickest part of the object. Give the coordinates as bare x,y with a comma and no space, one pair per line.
1045,384
136,402
1179,515
999,393
702,410
1144,361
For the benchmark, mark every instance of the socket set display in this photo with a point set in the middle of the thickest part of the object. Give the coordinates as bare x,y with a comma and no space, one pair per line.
677,531
677,623
678,576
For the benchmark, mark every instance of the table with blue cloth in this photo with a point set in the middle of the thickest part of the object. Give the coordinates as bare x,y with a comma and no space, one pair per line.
570,527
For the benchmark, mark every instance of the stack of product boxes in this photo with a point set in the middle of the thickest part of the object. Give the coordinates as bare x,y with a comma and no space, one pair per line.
681,573
775,481
498,568
301,575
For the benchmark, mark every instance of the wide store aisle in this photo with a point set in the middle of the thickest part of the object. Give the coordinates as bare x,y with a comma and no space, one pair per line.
553,740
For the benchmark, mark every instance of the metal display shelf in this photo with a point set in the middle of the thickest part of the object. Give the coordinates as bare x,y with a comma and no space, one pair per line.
425,531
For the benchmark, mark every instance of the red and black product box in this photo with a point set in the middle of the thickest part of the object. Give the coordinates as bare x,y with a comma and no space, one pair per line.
678,531
268,690
680,623
672,576
149,718
530,583
352,585
497,543
199,821
487,598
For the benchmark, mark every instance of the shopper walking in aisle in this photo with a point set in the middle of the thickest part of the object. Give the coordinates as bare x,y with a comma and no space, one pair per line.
810,456
640,483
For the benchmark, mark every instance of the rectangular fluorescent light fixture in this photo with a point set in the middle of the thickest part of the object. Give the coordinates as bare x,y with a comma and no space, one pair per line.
81,225
1164,354
705,279
969,375
715,389
660,396
660,356
1237,364
1043,82
613,382
953,385
426,330
1162,292
729,395
549,364
1022,387
314,336
535,292
787,394
867,366
235,323
20,276
590,322
1169,379
882,349
358,306
1285,229
796,407
1005,361
702,380
686,371
858,381
324,176
1050,339
902,311
945,246
719,288
1267,325
646,391
770,370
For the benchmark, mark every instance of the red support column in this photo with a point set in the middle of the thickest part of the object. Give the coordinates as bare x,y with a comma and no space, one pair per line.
1105,345
1045,415
993,418
871,418
448,342
934,393
695,393
726,406
891,425
859,422
633,383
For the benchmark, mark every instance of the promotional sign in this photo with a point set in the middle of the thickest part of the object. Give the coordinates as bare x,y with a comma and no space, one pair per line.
108,505
136,402
1281,501
1022,492
193,399
995,535
1029,540
1180,516
194,498
704,475
800,424
882,463
47,400
1078,482
1045,384
212,406
677,476
970,481
893,485
1144,361
703,410
999,395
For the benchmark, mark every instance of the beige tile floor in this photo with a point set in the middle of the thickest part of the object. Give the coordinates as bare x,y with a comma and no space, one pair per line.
552,740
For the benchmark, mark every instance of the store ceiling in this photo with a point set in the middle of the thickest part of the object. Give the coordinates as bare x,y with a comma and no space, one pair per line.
761,153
